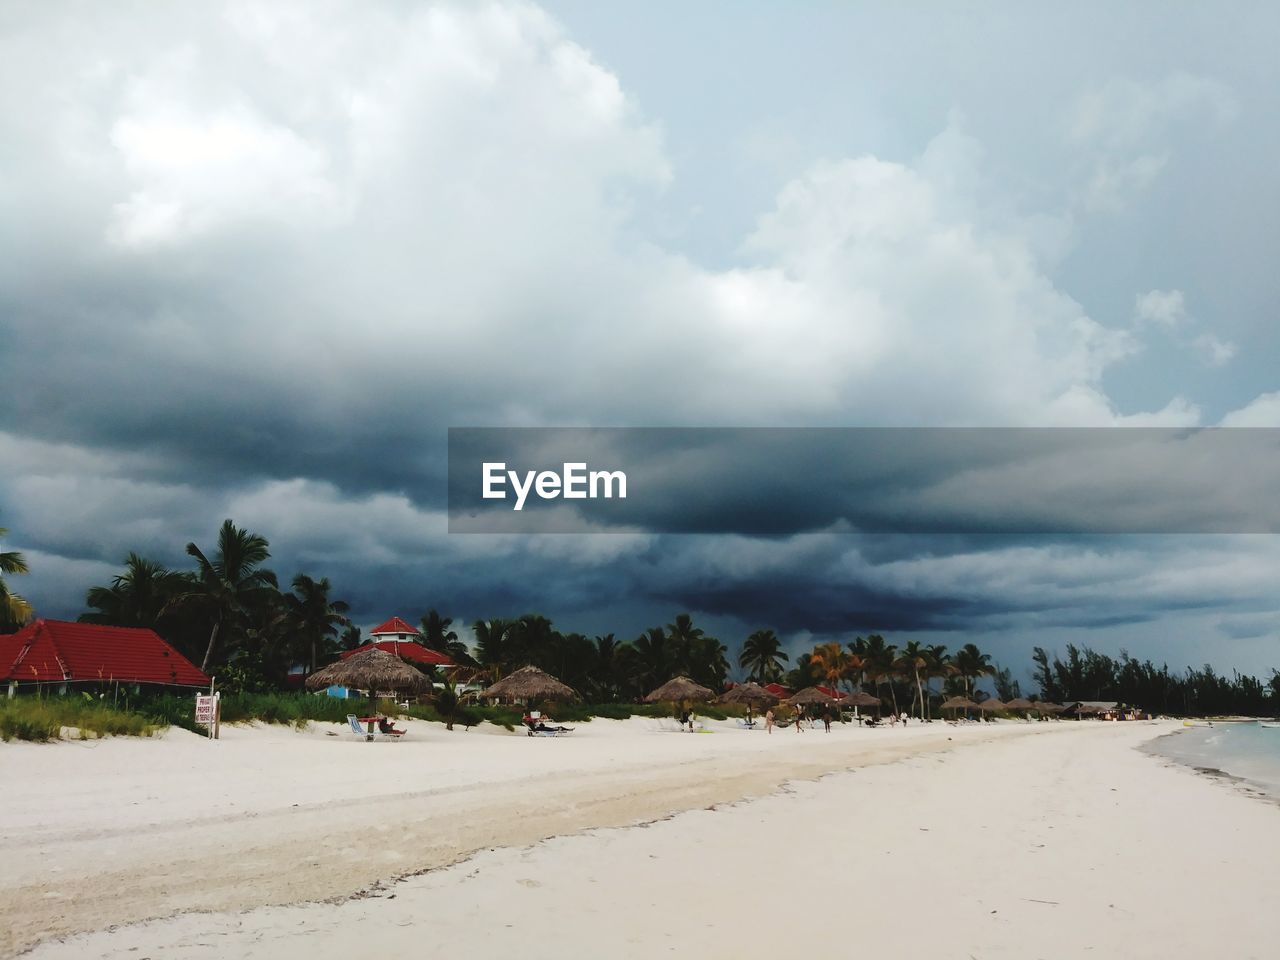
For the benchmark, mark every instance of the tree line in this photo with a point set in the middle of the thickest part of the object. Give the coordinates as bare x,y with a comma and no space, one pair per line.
229,614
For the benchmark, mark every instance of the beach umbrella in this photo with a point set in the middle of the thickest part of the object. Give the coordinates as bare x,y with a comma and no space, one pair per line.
1020,703
811,696
859,699
751,694
992,704
679,690
530,683
958,703
371,670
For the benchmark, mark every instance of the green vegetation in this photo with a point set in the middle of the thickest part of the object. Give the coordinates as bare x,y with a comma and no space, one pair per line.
42,718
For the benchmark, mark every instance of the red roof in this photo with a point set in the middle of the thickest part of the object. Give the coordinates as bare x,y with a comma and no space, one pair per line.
407,650
777,689
833,693
394,625
55,650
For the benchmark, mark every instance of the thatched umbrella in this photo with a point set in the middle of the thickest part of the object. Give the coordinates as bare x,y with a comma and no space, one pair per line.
992,704
810,695
679,690
751,694
958,703
1021,705
371,670
1044,707
859,699
530,683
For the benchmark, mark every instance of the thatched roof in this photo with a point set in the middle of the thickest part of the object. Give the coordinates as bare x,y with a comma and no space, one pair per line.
993,704
751,694
1020,703
530,683
1044,706
958,703
860,699
371,670
808,696
678,689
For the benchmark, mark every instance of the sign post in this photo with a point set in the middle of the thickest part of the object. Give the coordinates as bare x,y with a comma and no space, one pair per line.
209,711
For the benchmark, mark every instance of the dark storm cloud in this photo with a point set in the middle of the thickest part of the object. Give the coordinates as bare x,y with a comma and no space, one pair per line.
911,480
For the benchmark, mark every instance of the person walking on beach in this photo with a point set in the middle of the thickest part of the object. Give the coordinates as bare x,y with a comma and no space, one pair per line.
799,719
768,721
826,719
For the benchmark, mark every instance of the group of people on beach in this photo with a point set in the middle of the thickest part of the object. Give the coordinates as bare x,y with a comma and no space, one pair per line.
827,716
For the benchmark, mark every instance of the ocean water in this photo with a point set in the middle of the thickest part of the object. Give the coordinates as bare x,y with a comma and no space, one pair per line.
1250,751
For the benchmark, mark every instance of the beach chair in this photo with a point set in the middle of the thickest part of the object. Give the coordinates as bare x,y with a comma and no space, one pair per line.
361,731
537,727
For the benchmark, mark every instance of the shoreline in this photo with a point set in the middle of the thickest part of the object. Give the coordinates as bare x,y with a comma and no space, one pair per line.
1244,784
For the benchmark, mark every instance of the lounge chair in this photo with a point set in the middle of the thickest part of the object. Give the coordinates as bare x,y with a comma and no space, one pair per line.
363,732
537,727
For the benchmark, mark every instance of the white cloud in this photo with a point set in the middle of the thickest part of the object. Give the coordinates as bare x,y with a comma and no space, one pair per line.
1164,307
1124,126
1167,310
1263,411
1215,352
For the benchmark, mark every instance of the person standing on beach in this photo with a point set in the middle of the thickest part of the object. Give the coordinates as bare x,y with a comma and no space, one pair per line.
799,719
768,721
826,719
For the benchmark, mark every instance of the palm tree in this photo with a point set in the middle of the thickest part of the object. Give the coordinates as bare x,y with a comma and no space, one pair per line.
350,638
938,665
13,609
829,662
491,644
654,657
435,631
436,634
970,663
878,658
137,597
312,615
762,656
709,662
230,581
684,637
913,659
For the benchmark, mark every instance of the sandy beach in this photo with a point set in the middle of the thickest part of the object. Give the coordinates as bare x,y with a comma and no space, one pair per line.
1022,840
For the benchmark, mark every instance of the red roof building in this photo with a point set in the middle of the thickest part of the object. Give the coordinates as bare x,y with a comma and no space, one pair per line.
406,650
778,690
395,627
56,651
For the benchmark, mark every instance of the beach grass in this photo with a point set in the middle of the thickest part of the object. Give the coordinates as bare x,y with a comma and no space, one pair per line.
40,719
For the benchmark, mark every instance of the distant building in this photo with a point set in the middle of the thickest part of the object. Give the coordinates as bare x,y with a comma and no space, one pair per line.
1098,710
61,654
396,636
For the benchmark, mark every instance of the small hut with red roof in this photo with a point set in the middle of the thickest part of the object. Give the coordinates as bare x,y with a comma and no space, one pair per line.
61,653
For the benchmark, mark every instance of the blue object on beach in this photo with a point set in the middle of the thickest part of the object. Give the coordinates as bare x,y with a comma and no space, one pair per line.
336,691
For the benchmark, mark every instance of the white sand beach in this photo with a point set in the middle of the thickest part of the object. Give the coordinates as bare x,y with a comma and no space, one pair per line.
995,840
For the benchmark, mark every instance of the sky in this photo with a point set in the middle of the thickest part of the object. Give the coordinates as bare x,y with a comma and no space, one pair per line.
257,259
